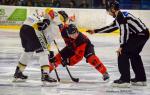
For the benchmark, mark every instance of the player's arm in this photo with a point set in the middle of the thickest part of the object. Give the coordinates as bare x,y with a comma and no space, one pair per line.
43,25
107,29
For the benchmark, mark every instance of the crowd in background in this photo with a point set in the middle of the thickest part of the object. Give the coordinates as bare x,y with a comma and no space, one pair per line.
127,4
48,3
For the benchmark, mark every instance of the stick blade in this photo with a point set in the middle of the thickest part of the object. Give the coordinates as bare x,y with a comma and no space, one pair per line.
75,79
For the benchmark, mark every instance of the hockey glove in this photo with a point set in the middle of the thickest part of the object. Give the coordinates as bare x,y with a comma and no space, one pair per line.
51,57
90,31
65,62
43,25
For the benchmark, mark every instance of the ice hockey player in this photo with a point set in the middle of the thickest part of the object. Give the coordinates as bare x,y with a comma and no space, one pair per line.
133,36
77,47
33,42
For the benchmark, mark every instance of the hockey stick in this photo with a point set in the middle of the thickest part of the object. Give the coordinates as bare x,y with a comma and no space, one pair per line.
52,63
72,78
43,44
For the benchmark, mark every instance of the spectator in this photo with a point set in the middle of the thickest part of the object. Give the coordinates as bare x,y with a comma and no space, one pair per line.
84,4
56,3
72,4
96,3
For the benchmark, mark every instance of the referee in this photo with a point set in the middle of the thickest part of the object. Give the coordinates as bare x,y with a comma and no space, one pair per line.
133,36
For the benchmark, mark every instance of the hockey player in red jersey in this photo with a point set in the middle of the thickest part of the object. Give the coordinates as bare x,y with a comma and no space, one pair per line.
77,47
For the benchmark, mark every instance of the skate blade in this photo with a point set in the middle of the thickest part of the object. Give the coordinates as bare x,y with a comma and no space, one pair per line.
45,83
18,80
139,83
124,85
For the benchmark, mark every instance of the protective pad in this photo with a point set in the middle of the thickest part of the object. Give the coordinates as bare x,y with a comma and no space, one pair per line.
25,57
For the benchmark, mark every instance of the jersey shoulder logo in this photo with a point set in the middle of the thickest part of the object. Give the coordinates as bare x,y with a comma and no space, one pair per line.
125,14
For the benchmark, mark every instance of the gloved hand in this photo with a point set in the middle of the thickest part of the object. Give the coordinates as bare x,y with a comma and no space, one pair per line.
51,57
65,62
43,25
90,31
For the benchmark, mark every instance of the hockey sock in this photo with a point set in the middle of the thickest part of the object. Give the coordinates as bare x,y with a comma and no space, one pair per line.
45,69
94,61
21,66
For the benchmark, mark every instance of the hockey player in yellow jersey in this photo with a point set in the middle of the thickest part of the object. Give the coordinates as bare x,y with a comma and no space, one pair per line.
32,42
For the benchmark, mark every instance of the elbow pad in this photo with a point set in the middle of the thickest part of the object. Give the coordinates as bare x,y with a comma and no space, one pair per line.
43,25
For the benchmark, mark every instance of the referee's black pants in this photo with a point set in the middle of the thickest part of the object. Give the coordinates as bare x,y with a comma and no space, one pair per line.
130,54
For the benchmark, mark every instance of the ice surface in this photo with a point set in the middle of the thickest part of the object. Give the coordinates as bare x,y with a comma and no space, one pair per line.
91,82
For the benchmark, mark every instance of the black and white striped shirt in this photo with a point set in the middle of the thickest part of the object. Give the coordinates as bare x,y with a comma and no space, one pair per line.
127,24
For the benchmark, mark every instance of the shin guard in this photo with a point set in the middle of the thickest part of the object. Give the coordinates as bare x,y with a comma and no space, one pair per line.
94,61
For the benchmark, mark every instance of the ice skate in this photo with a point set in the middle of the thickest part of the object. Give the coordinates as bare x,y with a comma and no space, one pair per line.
135,82
19,76
121,83
46,78
106,76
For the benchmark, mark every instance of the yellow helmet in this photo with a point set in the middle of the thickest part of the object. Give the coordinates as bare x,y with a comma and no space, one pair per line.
50,12
47,10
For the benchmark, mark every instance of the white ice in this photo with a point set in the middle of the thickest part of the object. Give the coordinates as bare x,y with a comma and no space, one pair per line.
91,82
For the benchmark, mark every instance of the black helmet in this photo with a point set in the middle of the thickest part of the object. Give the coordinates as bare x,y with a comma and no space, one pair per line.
72,29
112,4
64,15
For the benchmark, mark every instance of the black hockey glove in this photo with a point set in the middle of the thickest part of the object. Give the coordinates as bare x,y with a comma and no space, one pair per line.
65,62
43,25
51,57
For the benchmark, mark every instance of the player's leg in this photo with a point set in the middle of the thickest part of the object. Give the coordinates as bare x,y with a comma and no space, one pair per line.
99,66
92,59
28,51
23,61
44,62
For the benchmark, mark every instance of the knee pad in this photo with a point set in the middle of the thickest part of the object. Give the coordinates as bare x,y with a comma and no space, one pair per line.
43,58
25,57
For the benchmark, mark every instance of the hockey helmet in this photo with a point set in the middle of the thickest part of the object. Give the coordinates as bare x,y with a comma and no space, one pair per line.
47,10
112,5
63,16
72,29
50,12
